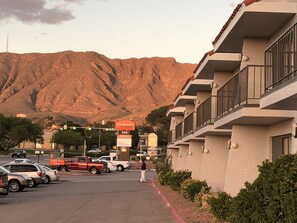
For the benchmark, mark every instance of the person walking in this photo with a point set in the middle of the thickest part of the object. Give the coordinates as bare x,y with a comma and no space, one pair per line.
143,168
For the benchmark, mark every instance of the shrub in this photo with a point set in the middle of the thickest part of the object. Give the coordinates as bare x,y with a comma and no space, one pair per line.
178,177
163,164
164,177
200,197
191,187
272,197
220,205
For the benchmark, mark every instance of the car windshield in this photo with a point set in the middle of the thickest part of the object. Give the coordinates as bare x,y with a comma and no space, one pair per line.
3,169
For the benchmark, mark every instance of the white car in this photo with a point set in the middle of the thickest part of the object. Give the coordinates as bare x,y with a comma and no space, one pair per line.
50,175
33,170
22,161
94,150
110,166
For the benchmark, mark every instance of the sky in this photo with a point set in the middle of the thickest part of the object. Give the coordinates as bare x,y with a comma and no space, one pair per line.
182,29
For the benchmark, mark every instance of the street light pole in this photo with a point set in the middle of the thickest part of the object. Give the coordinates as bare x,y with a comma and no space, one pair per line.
99,136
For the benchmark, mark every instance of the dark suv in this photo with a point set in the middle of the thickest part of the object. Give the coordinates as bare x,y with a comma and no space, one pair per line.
19,153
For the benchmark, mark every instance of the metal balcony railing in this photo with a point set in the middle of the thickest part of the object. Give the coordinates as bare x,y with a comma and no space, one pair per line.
281,60
245,88
206,112
189,124
179,131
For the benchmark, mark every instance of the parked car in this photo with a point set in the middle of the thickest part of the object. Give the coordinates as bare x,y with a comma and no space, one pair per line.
19,153
94,150
3,183
22,161
109,166
16,182
50,175
121,165
33,170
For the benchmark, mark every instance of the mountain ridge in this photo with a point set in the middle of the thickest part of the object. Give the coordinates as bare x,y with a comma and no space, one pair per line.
88,85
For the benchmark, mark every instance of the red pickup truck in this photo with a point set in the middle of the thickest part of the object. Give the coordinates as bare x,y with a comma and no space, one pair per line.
78,163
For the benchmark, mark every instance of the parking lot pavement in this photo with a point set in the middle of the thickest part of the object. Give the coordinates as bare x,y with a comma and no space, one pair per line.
108,198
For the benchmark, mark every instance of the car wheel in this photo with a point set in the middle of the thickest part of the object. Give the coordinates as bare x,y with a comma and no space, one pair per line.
14,185
93,170
63,168
34,184
120,168
108,170
47,179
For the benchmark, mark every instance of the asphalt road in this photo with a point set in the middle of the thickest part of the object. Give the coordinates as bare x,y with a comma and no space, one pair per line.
117,197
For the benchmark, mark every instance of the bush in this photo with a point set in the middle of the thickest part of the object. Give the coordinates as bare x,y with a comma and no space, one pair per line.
191,187
200,198
272,197
163,164
220,205
178,177
164,177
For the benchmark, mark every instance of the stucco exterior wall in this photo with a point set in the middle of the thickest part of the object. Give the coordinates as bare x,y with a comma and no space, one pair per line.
174,155
254,50
214,162
182,157
194,162
242,163
220,78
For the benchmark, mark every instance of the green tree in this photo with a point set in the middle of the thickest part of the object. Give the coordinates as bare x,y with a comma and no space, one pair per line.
160,123
67,138
14,130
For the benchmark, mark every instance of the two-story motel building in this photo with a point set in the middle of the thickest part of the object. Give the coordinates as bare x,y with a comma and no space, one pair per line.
239,107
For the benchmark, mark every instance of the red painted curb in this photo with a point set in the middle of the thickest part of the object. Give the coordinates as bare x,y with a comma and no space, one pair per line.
176,216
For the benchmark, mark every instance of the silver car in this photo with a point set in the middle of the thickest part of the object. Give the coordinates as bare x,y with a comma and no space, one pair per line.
33,170
16,182
50,175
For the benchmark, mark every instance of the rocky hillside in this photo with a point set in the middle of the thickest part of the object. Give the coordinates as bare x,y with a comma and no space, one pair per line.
88,86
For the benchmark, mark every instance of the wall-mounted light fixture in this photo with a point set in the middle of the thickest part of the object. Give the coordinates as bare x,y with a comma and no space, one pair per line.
179,155
189,153
206,151
213,85
232,145
245,58
196,102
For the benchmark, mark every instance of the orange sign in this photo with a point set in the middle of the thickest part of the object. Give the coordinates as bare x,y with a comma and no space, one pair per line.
125,125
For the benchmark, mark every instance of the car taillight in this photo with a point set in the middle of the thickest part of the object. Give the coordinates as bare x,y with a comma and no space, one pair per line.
0,180
39,174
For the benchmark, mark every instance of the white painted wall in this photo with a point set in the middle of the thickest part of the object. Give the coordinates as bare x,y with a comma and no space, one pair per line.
195,160
253,148
214,163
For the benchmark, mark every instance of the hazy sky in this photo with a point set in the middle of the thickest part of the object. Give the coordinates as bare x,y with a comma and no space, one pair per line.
183,29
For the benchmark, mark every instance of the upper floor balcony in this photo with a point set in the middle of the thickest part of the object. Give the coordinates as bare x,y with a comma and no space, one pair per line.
281,73
243,89
189,124
238,100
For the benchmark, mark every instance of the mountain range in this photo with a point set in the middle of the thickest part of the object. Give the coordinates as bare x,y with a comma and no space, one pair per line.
87,86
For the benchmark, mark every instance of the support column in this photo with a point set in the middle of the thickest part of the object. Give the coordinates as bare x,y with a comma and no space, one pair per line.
249,148
214,162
